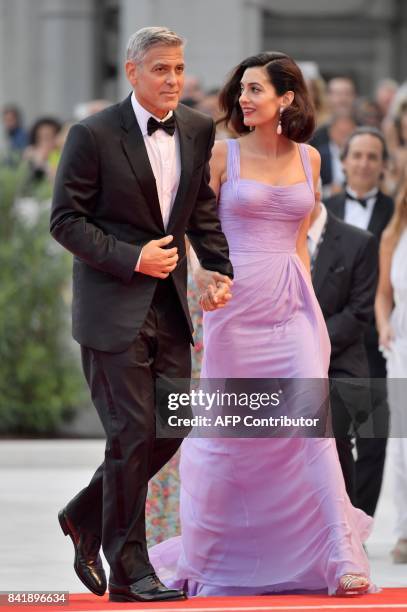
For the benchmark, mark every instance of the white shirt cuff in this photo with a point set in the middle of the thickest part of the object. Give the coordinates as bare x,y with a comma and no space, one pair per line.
139,261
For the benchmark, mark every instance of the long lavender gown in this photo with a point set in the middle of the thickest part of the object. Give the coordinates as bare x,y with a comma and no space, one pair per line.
264,515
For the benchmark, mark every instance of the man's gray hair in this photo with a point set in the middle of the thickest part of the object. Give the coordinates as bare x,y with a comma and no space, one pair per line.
142,40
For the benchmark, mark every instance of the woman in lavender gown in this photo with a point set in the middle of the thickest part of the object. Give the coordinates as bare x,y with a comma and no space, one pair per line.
265,515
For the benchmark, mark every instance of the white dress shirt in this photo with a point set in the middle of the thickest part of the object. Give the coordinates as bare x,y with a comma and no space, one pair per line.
165,159
355,213
315,230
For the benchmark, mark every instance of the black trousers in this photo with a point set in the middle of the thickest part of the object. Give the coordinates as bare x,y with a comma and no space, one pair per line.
363,477
371,451
350,404
123,389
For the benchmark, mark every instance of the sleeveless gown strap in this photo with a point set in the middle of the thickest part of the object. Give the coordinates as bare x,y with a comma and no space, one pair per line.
233,161
306,162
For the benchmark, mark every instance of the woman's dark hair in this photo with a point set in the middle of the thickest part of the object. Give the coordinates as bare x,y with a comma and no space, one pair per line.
362,131
51,121
298,121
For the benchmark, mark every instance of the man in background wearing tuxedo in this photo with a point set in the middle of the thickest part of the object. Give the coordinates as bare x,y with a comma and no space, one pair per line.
132,180
363,205
344,268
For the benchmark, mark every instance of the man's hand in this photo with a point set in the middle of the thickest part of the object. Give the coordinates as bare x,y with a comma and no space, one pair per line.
156,260
204,278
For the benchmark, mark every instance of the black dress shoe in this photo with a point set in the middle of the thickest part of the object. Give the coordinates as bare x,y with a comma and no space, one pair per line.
88,563
146,589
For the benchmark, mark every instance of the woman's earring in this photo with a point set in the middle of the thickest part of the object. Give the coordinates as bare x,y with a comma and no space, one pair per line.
279,127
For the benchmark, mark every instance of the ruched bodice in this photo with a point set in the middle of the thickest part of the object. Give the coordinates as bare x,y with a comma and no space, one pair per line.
258,217
273,300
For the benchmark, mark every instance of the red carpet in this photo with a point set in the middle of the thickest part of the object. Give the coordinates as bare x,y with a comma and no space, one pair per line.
388,599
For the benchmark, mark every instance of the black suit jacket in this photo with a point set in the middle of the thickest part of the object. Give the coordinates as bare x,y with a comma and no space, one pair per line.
326,163
382,213
105,208
320,136
345,278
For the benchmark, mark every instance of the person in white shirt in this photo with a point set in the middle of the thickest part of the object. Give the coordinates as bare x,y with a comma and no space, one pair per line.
391,316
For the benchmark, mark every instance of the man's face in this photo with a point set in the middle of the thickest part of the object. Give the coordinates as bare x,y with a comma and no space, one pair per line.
210,106
158,79
384,96
364,162
10,121
341,95
340,131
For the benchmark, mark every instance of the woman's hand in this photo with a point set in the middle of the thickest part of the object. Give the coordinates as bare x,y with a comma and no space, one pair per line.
217,294
386,336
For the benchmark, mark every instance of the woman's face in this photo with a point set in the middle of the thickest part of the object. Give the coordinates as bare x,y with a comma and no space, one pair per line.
258,99
46,136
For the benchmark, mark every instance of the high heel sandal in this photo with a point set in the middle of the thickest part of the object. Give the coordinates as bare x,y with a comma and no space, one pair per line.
351,585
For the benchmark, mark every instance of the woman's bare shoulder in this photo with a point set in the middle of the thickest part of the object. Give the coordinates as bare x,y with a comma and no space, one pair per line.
314,154
219,156
220,149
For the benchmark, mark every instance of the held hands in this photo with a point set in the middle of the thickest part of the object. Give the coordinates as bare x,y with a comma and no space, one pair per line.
156,260
215,296
214,287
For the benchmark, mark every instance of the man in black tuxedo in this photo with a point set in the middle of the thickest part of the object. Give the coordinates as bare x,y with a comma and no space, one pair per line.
363,205
132,181
344,267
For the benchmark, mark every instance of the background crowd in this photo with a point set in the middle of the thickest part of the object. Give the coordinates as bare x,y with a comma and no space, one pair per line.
363,147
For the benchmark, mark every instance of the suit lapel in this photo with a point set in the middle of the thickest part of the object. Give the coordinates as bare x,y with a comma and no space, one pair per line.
378,220
326,255
338,206
136,153
186,142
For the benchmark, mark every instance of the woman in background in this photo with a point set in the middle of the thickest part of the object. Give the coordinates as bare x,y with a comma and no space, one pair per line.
391,317
43,152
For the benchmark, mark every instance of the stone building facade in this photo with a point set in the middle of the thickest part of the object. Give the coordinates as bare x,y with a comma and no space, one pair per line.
56,53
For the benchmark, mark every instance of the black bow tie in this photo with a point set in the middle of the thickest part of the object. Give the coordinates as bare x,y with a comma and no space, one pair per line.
168,125
361,201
